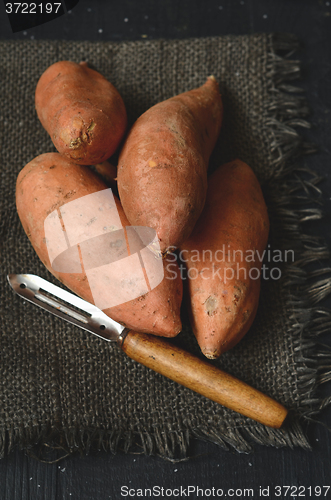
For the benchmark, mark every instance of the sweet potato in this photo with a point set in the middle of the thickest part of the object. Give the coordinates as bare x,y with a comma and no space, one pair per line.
82,111
162,168
79,238
223,258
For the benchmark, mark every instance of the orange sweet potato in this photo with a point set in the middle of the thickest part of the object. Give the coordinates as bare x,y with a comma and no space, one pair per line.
79,238
82,111
162,168
223,258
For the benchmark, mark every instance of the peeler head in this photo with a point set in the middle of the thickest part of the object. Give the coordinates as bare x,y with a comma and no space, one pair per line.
65,305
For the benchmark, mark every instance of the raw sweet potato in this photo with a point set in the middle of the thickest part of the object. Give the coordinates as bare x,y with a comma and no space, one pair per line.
80,232
223,258
162,168
82,111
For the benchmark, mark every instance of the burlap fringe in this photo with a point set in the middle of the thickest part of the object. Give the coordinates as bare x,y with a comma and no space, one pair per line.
308,283
297,187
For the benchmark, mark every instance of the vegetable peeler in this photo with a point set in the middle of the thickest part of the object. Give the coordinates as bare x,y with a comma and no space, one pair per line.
153,352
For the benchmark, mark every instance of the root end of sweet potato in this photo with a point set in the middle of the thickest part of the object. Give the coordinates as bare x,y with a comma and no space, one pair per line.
75,143
211,353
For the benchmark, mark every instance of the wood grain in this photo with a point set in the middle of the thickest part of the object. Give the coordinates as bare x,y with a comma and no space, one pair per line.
203,378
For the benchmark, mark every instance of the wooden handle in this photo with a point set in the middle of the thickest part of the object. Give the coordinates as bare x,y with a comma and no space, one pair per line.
201,377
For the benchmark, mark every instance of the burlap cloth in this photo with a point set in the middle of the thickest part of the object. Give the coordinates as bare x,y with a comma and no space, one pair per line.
62,386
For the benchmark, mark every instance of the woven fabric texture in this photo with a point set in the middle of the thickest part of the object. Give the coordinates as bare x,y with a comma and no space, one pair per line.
61,385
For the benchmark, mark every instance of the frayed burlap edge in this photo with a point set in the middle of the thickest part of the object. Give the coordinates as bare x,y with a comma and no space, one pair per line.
287,110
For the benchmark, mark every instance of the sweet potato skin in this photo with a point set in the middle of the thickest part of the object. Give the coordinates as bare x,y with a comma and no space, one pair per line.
50,181
162,167
81,110
234,221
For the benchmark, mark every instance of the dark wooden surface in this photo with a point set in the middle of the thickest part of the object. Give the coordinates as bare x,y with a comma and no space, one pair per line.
101,476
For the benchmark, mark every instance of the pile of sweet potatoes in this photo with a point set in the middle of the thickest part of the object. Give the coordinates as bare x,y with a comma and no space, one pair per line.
90,239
